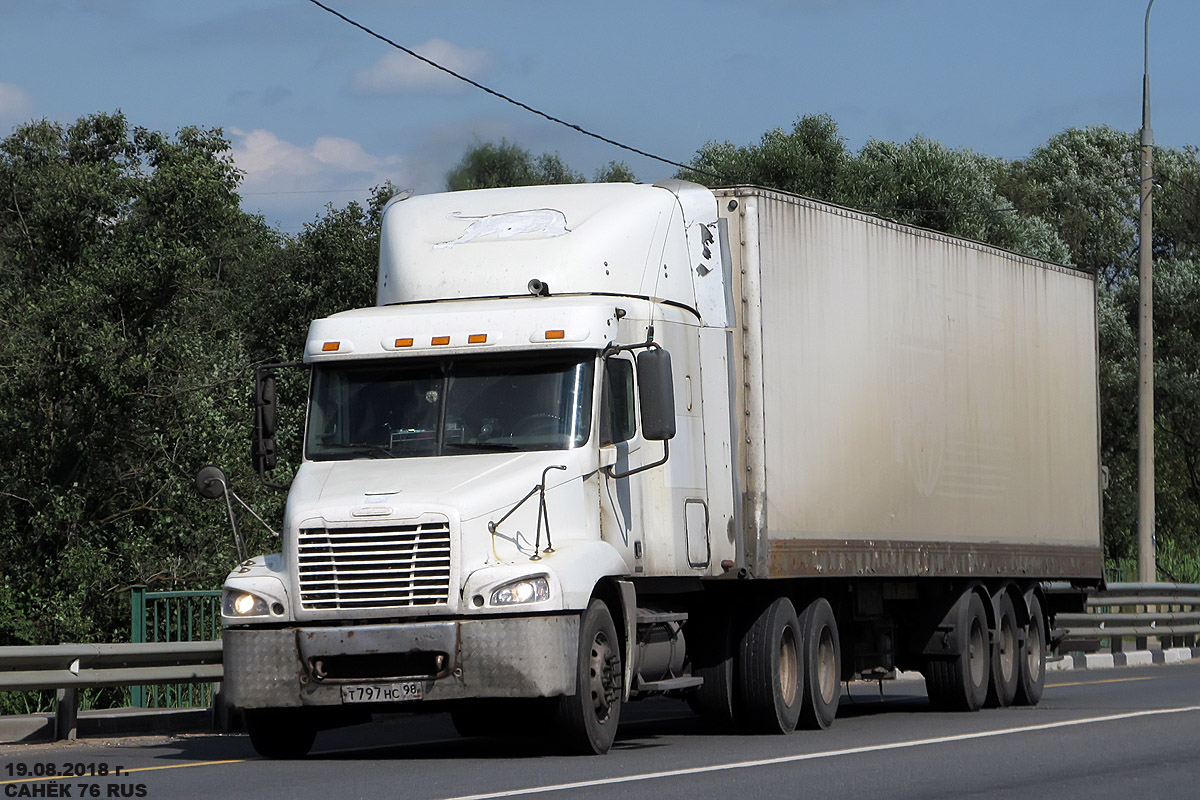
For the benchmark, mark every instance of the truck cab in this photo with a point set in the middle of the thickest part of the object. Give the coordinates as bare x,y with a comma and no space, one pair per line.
536,411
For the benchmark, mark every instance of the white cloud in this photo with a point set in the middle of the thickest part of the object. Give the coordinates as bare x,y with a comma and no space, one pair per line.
283,179
397,72
15,103
269,161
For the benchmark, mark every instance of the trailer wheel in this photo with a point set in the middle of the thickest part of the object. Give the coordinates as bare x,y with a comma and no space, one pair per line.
1031,679
286,733
822,665
770,672
588,719
959,682
710,642
1006,655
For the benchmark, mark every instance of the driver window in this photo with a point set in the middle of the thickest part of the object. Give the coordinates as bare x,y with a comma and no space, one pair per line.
617,421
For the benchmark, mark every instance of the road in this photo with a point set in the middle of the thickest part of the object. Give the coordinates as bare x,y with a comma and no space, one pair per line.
1131,733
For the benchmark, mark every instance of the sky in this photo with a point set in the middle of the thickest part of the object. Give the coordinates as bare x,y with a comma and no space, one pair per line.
318,112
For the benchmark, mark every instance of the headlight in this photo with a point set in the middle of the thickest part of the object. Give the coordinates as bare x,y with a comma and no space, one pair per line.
526,590
242,604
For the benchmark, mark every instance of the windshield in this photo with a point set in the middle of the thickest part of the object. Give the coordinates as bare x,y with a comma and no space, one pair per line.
429,407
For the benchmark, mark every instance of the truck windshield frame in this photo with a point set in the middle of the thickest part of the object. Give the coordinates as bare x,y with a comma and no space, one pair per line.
416,407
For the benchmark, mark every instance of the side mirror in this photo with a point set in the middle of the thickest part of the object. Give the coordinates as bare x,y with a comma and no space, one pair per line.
656,393
264,401
263,454
211,482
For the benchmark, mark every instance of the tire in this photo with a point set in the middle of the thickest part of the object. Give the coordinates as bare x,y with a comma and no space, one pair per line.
1006,654
710,643
822,652
1031,676
283,733
959,682
770,674
588,719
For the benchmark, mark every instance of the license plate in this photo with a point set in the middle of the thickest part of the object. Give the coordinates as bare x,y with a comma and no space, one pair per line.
383,692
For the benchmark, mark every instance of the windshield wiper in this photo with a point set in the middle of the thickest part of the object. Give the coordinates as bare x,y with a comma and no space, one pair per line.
496,447
373,450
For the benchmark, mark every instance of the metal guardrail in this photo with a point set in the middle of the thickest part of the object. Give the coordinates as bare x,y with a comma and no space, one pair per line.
71,667
1169,611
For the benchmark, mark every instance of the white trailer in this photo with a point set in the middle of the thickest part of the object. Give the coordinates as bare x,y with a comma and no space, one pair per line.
601,442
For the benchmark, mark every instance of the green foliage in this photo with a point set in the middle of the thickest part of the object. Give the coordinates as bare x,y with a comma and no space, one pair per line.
811,160
135,298
615,172
488,165
920,182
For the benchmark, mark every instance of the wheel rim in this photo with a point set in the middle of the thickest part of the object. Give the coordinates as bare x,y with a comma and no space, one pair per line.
1033,651
1008,660
975,651
604,686
826,667
789,665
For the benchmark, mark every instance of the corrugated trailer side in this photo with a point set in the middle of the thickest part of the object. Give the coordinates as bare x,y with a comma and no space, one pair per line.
913,404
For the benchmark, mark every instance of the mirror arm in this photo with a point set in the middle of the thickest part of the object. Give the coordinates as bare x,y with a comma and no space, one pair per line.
618,475
613,349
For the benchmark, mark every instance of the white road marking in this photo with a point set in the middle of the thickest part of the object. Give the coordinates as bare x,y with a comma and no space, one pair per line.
763,762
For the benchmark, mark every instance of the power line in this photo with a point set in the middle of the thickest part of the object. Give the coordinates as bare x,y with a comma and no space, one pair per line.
508,99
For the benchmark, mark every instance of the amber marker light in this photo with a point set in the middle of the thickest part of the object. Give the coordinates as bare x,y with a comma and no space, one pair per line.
440,340
330,347
556,334
404,343
477,338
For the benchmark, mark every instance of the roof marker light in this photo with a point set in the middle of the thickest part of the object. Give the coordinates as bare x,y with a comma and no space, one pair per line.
477,338
404,342
330,347
440,340
556,334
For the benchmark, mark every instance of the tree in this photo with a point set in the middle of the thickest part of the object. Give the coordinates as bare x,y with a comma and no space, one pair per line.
488,165
614,172
920,182
811,160
123,367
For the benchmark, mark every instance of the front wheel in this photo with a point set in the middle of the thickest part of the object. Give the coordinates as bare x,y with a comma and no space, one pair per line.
285,733
588,719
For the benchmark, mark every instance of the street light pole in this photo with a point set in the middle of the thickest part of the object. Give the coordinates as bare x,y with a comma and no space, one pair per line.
1146,539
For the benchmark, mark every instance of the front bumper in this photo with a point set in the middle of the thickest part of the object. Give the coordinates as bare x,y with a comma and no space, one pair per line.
493,657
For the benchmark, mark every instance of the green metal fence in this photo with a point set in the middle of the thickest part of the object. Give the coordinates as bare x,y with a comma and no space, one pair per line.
173,617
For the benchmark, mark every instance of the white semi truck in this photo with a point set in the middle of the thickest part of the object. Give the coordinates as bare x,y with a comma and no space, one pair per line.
601,442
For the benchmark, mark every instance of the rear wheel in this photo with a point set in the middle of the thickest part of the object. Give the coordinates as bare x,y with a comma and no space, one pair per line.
959,681
280,732
588,718
770,676
1006,654
1031,677
822,665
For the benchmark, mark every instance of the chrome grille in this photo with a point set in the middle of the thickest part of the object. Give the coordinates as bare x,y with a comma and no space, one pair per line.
380,567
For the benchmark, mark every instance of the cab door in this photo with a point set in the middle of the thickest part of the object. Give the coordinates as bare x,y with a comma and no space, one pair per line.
620,451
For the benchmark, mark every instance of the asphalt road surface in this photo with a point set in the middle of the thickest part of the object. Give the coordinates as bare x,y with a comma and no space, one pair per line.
1131,733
